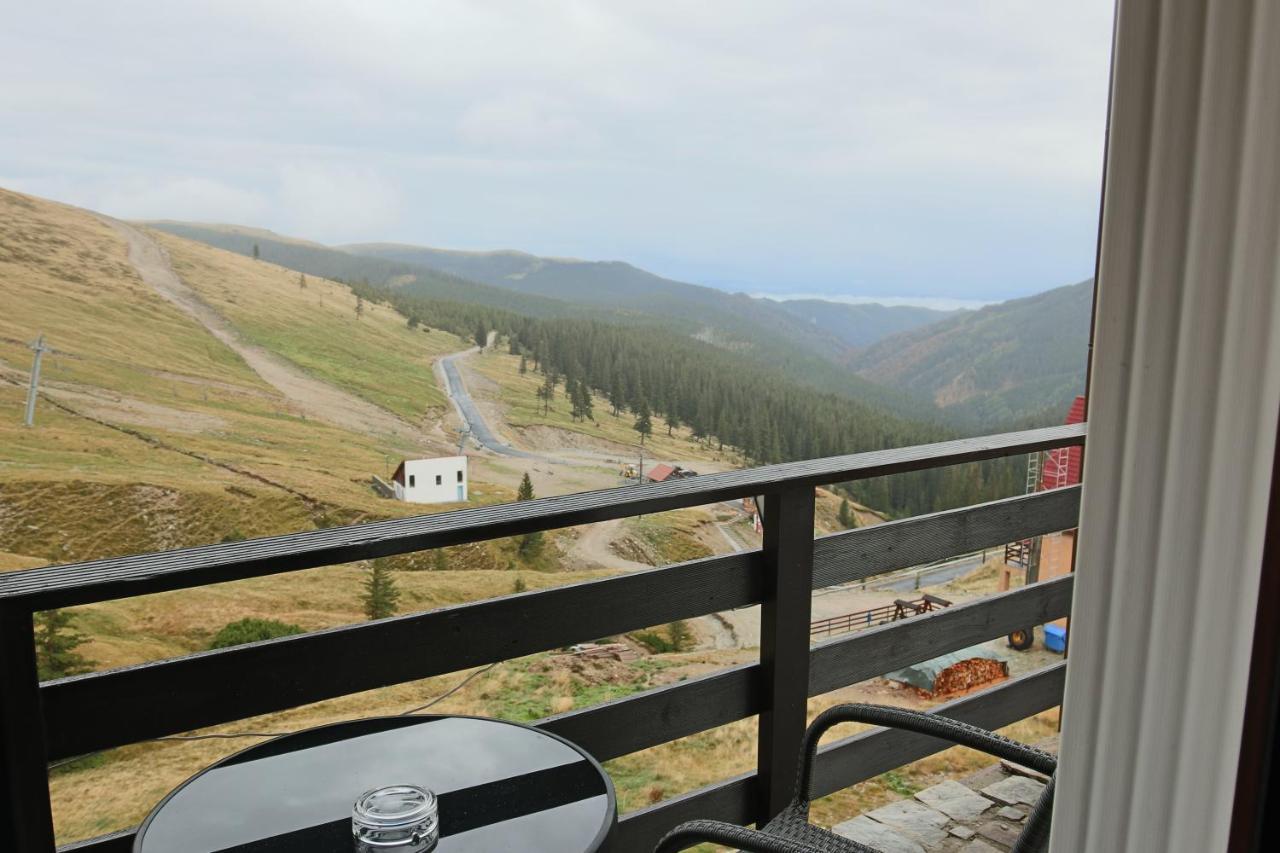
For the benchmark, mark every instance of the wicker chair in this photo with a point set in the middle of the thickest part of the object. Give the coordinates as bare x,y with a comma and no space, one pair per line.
791,832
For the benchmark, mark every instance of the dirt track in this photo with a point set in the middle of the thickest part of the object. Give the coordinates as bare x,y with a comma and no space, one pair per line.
304,393
592,547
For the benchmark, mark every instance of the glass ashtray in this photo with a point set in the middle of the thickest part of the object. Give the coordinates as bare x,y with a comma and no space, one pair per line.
395,819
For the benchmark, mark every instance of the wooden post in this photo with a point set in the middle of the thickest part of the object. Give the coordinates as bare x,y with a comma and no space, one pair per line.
26,822
784,645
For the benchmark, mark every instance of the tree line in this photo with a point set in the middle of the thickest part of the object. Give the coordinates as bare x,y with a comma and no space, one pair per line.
724,398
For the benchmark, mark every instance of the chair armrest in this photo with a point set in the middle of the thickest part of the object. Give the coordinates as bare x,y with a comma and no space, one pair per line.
749,840
945,728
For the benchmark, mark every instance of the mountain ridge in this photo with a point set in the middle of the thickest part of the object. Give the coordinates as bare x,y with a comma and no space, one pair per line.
999,364
760,329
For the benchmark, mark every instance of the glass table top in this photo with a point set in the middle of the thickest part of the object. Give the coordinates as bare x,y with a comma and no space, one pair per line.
501,786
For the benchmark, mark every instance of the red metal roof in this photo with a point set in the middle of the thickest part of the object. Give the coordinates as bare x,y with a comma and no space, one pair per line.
658,473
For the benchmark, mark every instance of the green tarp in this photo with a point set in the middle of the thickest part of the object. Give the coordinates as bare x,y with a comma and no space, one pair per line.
923,675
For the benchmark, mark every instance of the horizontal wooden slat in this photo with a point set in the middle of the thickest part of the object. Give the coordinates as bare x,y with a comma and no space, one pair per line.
846,762
170,696
100,710
664,714
858,554
874,652
100,580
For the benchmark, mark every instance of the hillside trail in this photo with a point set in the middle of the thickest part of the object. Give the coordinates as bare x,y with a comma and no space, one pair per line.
313,397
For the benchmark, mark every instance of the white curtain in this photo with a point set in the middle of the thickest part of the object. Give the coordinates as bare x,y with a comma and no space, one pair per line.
1185,390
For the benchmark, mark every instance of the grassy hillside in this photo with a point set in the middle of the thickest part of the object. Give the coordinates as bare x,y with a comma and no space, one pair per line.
313,323
1001,364
151,432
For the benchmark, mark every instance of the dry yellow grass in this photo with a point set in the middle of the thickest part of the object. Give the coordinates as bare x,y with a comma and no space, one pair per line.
126,356
13,562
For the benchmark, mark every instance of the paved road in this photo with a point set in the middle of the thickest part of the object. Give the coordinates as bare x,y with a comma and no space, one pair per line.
467,409
933,577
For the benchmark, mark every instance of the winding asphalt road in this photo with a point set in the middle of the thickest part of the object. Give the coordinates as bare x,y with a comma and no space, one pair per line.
475,421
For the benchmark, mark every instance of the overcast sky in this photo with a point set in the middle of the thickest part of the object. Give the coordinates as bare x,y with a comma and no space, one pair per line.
943,149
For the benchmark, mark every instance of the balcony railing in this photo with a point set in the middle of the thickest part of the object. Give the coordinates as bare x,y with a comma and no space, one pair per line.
44,722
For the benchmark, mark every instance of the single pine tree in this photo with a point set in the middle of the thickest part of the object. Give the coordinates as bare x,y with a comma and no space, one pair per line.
380,593
547,392
530,544
524,365
847,519
56,645
644,423
525,491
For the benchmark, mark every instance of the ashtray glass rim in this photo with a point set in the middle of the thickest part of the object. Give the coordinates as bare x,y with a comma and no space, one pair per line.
423,811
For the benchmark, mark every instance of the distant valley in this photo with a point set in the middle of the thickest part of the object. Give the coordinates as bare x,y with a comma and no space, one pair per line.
1010,364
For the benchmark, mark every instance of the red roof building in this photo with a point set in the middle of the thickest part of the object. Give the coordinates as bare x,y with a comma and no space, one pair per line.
658,473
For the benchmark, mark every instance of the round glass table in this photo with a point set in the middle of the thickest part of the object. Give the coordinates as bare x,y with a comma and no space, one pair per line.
499,786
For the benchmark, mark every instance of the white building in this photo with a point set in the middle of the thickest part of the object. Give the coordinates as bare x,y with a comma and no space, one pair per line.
432,481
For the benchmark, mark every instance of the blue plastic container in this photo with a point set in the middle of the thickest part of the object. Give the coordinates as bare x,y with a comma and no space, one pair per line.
1055,638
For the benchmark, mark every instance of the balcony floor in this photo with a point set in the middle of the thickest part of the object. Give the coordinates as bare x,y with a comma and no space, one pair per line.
980,814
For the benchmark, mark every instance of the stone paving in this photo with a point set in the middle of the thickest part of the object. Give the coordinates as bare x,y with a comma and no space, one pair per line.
981,814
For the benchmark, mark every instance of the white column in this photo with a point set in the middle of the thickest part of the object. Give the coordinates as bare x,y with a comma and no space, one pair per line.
1185,391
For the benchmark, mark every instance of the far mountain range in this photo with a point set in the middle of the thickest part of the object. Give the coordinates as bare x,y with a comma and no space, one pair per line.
1010,364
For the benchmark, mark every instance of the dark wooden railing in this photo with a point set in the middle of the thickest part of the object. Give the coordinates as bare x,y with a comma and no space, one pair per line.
43,722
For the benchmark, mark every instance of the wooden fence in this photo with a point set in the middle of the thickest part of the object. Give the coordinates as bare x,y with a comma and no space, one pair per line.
43,722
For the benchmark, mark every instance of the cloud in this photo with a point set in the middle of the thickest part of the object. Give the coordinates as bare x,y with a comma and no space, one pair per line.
330,202
524,121
201,199
925,147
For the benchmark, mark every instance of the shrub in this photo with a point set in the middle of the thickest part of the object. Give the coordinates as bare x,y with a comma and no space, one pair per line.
678,638
251,631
